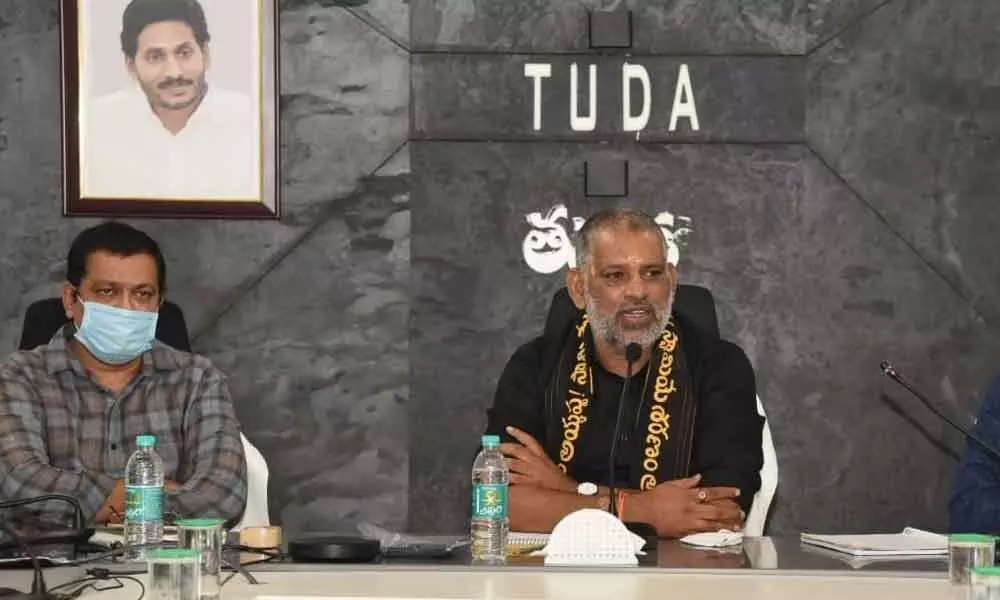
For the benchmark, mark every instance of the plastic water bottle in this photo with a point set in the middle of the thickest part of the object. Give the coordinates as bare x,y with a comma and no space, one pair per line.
143,499
490,479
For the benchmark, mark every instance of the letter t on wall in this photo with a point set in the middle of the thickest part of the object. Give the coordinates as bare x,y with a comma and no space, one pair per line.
537,72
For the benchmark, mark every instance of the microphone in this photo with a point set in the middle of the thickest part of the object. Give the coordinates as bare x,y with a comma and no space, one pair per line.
890,372
76,536
38,590
632,353
78,521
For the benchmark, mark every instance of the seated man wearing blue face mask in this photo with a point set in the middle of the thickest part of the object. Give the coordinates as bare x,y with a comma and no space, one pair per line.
70,411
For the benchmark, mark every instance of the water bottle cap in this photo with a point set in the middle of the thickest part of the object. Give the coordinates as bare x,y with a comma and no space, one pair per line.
145,441
199,523
972,538
172,554
490,441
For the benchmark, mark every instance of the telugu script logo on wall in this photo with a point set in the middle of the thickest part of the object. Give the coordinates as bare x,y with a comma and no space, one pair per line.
547,247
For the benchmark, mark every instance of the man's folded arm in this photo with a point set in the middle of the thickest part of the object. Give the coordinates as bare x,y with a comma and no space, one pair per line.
519,402
519,399
25,471
215,484
729,431
537,510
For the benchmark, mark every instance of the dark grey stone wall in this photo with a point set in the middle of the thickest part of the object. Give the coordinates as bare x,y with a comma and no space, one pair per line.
838,197
308,316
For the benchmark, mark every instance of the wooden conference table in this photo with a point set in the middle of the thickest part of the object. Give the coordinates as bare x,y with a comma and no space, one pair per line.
763,568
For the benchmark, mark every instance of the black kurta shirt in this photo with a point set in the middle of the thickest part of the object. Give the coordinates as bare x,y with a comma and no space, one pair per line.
728,429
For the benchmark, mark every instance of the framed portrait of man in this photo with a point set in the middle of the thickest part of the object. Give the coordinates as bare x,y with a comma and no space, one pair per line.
169,108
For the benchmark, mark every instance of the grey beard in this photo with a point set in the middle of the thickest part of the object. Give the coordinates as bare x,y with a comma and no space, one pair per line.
606,330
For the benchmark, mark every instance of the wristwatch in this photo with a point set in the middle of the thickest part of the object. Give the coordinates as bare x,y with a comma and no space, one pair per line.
590,489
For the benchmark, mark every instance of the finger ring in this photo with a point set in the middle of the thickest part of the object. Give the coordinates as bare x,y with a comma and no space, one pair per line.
702,496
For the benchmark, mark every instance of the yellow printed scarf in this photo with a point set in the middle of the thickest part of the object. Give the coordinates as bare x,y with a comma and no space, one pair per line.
666,412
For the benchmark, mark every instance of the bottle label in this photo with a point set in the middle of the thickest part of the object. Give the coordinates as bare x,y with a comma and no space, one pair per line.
143,503
489,501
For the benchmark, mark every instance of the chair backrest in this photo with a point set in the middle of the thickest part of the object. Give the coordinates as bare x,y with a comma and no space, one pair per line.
44,318
256,512
698,305
757,519
761,552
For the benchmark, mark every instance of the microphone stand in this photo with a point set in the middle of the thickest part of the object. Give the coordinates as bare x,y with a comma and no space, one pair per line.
78,520
890,372
38,589
632,353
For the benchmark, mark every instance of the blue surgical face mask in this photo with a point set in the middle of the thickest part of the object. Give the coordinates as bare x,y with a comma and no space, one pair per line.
116,335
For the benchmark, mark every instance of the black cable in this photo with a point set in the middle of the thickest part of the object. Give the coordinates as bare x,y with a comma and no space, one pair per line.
239,569
633,352
113,553
78,520
259,561
272,552
38,583
97,575
86,583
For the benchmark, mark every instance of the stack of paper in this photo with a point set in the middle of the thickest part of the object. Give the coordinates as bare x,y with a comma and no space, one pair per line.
516,538
909,542
524,544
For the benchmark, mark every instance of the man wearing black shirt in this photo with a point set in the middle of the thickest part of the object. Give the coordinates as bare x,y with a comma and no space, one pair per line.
689,453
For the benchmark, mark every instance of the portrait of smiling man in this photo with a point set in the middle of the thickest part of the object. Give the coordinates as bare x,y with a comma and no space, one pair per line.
171,132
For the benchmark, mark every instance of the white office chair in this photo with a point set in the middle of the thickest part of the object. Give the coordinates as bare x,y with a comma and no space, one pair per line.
255,514
761,553
754,525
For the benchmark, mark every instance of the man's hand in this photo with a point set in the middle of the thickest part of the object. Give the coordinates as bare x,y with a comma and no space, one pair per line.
530,465
734,515
678,508
113,511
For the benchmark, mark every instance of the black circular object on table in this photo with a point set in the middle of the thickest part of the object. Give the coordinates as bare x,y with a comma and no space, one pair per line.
333,548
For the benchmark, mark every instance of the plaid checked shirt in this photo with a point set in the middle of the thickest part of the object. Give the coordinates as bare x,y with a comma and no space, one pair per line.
62,433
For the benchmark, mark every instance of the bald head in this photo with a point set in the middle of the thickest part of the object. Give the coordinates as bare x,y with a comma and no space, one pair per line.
616,219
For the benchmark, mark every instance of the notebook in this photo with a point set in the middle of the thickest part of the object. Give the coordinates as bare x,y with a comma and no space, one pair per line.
516,538
878,562
909,542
